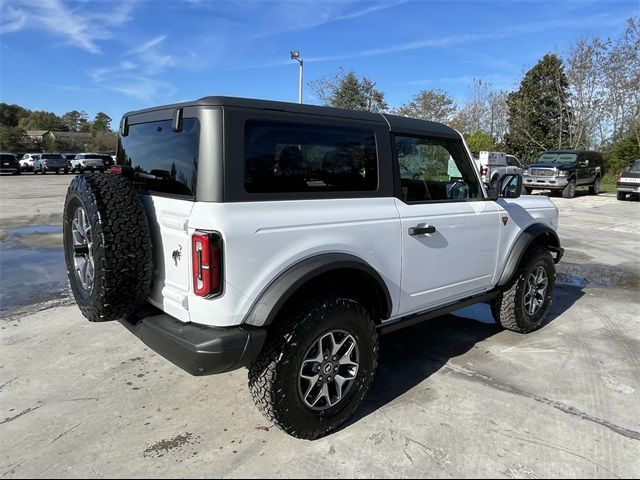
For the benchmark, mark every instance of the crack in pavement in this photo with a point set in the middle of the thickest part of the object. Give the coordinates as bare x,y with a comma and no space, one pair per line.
625,432
11,419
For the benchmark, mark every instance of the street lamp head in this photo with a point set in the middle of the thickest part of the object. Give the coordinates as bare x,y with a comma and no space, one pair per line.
295,54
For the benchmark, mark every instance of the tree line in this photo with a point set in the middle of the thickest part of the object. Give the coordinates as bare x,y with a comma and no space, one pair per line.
16,120
590,100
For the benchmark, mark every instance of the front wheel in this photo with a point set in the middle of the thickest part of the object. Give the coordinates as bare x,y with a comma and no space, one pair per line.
528,191
622,195
595,188
524,303
570,190
316,367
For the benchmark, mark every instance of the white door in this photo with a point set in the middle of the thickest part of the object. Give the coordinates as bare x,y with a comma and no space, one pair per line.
450,234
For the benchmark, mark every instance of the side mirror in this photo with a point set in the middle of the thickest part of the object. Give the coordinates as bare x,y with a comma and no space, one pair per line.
509,186
584,163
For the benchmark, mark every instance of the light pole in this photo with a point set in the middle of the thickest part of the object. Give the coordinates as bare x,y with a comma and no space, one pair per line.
295,55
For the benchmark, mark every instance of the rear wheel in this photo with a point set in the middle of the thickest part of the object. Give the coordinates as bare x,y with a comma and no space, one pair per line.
524,303
595,188
107,246
622,195
570,190
316,368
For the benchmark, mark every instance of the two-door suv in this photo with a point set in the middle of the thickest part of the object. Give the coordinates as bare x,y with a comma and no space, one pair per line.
286,238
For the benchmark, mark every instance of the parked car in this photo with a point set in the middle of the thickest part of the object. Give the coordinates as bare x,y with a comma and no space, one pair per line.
50,162
494,165
91,162
564,171
290,238
9,163
27,160
628,181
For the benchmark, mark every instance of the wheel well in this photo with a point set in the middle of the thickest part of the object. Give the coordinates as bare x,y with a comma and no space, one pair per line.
545,239
348,282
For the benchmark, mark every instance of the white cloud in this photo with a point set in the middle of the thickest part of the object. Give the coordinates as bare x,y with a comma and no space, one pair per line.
81,27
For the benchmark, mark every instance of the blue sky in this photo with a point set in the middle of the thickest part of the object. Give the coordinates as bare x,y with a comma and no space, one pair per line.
98,55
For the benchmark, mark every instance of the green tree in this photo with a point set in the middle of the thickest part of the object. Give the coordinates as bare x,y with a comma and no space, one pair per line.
75,120
480,141
10,115
12,139
539,117
622,153
432,105
346,90
101,123
40,120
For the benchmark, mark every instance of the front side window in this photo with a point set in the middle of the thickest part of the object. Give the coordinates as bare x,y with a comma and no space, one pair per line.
291,157
164,161
434,169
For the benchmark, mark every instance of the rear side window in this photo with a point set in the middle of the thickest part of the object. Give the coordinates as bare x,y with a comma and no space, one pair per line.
291,157
165,161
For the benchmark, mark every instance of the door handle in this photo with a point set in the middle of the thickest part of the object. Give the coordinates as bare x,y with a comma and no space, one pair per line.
429,229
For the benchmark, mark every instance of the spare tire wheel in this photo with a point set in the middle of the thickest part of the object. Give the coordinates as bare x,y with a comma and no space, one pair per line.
107,246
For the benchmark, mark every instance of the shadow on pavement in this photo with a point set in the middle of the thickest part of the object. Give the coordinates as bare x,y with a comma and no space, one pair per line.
410,356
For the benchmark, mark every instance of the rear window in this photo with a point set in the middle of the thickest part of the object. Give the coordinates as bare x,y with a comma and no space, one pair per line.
292,157
165,161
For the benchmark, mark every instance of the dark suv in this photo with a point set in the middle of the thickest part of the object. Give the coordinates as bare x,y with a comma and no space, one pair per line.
9,163
565,170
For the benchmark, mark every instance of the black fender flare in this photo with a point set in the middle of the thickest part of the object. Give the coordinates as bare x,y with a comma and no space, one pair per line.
265,308
537,232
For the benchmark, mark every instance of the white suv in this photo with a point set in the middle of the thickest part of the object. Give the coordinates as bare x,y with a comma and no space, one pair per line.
287,237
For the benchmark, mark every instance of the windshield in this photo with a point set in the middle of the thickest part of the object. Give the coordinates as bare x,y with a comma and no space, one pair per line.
558,158
52,156
635,166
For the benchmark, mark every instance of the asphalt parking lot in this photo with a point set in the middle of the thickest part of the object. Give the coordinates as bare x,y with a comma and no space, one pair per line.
454,397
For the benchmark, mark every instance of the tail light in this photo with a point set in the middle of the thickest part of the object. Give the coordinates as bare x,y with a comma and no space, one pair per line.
116,169
206,255
618,175
484,171
44,162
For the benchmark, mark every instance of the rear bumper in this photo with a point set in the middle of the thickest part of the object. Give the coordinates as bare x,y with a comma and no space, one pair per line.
628,188
197,349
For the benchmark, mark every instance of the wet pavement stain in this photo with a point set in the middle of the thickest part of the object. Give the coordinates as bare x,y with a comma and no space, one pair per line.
177,443
596,275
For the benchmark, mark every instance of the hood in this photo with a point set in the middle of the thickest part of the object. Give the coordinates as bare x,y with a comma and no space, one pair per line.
559,166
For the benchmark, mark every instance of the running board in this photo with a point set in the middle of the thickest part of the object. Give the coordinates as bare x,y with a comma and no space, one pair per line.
416,318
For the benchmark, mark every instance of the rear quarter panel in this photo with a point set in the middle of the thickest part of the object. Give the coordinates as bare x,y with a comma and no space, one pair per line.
264,239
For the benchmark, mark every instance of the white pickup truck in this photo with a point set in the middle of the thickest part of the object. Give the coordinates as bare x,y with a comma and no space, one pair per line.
494,165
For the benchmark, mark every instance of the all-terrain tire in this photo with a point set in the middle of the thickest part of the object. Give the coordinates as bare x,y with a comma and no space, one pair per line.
273,376
570,190
508,307
121,246
594,189
621,195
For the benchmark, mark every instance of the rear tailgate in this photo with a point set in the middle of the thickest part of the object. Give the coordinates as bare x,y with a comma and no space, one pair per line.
168,218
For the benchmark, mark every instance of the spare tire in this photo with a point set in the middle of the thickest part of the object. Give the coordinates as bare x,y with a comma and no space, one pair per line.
107,246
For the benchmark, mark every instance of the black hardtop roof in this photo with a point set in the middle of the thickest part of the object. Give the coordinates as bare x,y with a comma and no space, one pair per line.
395,122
